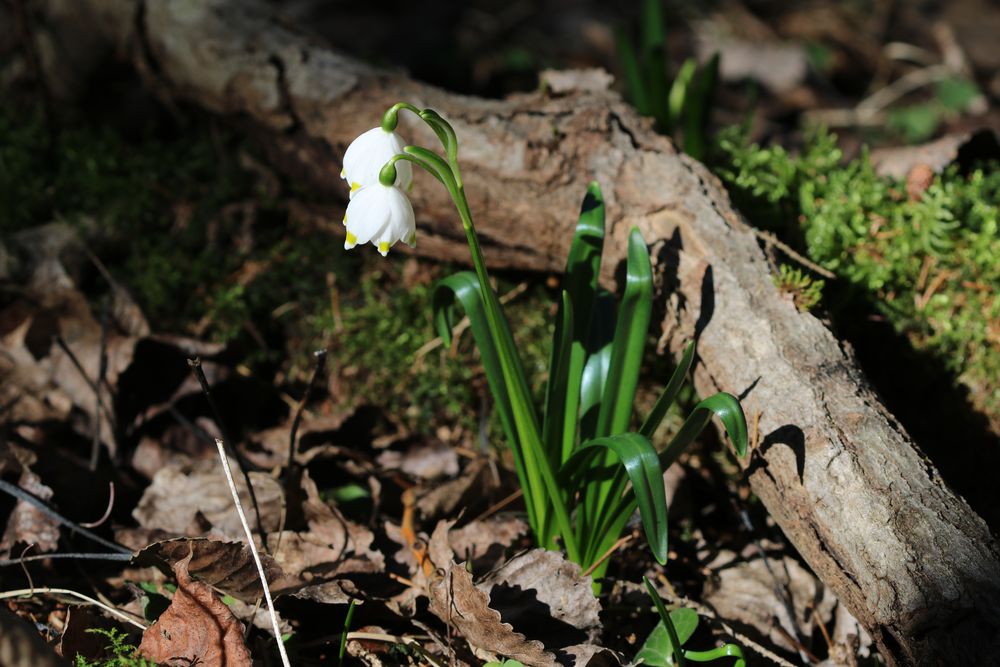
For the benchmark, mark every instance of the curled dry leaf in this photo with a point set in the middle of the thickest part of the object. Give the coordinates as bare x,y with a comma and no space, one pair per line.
29,525
196,629
541,590
227,566
457,601
180,500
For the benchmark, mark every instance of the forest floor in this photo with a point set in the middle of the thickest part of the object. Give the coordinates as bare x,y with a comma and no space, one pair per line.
136,238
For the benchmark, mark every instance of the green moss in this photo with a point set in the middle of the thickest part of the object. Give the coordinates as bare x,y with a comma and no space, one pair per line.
928,264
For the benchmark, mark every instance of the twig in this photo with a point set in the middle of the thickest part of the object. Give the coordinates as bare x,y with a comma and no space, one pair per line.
497,506
772,240
90,383
253,550
199,374
21,494
708,613
29,592
7,562
107,512
607,554
102,369
320,356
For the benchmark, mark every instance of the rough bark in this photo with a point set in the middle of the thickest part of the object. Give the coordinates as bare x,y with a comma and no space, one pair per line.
910,559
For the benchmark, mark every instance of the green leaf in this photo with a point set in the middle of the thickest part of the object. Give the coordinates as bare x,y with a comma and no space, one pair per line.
722,405
583,267
653,34
697,108
462,289
630,339
634,81
595,371
556,392
669,394
658,645
642,464
679,90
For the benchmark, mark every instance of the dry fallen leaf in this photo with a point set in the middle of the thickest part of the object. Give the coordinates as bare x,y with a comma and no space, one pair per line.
749,592
455,600
543,591
182,499
29,525
227,566
197,628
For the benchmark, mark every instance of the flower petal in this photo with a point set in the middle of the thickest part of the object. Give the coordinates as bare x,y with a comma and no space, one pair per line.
366,156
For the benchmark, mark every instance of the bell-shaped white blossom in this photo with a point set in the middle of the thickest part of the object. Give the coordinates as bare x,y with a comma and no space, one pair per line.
381,214
366,156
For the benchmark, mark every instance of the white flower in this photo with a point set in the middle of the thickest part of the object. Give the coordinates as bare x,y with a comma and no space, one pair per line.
366,156
381,214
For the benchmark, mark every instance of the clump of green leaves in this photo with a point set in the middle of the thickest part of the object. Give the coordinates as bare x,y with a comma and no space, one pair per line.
119,652
681,106
582,468
927,263
805,290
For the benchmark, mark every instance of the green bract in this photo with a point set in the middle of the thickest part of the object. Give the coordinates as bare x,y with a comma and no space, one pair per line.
583,474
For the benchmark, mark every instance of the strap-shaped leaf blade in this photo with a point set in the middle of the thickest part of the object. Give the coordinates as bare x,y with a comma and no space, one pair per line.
642,464
669,394
557,397
631,330
632,72
583,267
722,405
595,370
697,105
462,290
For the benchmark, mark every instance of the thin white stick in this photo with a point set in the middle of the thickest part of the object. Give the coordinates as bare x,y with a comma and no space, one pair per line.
253,550
28,592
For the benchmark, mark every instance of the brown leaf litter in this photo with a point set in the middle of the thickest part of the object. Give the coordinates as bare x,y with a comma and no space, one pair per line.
197,628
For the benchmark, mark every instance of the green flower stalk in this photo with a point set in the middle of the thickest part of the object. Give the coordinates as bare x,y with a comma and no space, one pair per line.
582,473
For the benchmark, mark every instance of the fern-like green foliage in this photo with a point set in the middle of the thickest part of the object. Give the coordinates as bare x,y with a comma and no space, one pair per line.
118,653
928,264
805,290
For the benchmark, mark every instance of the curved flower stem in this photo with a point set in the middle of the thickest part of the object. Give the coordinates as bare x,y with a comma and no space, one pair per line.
540,480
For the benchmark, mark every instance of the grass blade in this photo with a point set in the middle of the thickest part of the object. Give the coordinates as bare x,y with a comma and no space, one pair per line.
669,394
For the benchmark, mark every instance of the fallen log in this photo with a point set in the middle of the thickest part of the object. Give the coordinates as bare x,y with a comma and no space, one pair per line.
914,564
